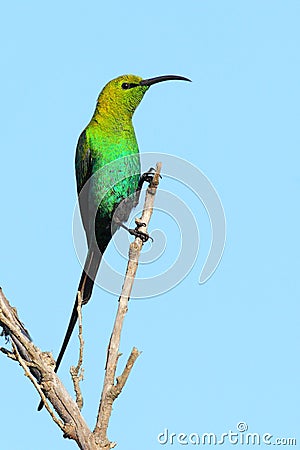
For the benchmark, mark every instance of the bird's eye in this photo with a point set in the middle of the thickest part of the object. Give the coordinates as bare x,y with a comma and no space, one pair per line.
129,85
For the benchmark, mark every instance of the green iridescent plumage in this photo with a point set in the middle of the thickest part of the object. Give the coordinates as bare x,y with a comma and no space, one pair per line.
108,174
107,151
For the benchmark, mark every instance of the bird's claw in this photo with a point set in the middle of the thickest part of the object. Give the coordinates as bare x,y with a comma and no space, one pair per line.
148,176
140,234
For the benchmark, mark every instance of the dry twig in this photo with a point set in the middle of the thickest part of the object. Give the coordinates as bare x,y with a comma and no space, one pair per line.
78,371
110,389
39,366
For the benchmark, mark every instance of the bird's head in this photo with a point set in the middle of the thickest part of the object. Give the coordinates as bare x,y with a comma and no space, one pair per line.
121,96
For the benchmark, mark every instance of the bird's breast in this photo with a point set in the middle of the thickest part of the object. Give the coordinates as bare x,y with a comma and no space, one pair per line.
116,171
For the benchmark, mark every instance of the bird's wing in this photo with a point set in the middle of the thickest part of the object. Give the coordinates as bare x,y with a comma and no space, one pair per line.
83,161
83,167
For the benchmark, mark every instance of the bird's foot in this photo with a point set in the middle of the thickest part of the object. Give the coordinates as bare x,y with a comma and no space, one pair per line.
140,234
137,233
147,176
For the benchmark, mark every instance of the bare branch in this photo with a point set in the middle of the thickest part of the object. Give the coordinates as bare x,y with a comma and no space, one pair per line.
121,380
78,371
37,386
48,384
111,390
39,366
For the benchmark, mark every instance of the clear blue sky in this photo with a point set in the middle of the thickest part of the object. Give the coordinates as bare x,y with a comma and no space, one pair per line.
213,354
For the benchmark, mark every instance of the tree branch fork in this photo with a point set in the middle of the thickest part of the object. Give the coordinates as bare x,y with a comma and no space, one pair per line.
39,366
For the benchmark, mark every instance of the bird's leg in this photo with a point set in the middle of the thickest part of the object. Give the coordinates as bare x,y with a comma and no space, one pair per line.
136,232
145,177
118,216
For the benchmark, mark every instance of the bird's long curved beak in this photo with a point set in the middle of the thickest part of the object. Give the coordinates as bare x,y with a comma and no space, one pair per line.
155,80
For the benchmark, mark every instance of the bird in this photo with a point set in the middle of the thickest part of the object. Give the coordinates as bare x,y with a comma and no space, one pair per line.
108,176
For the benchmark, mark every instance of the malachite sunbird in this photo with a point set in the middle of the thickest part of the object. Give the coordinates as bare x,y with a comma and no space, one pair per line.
108,174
